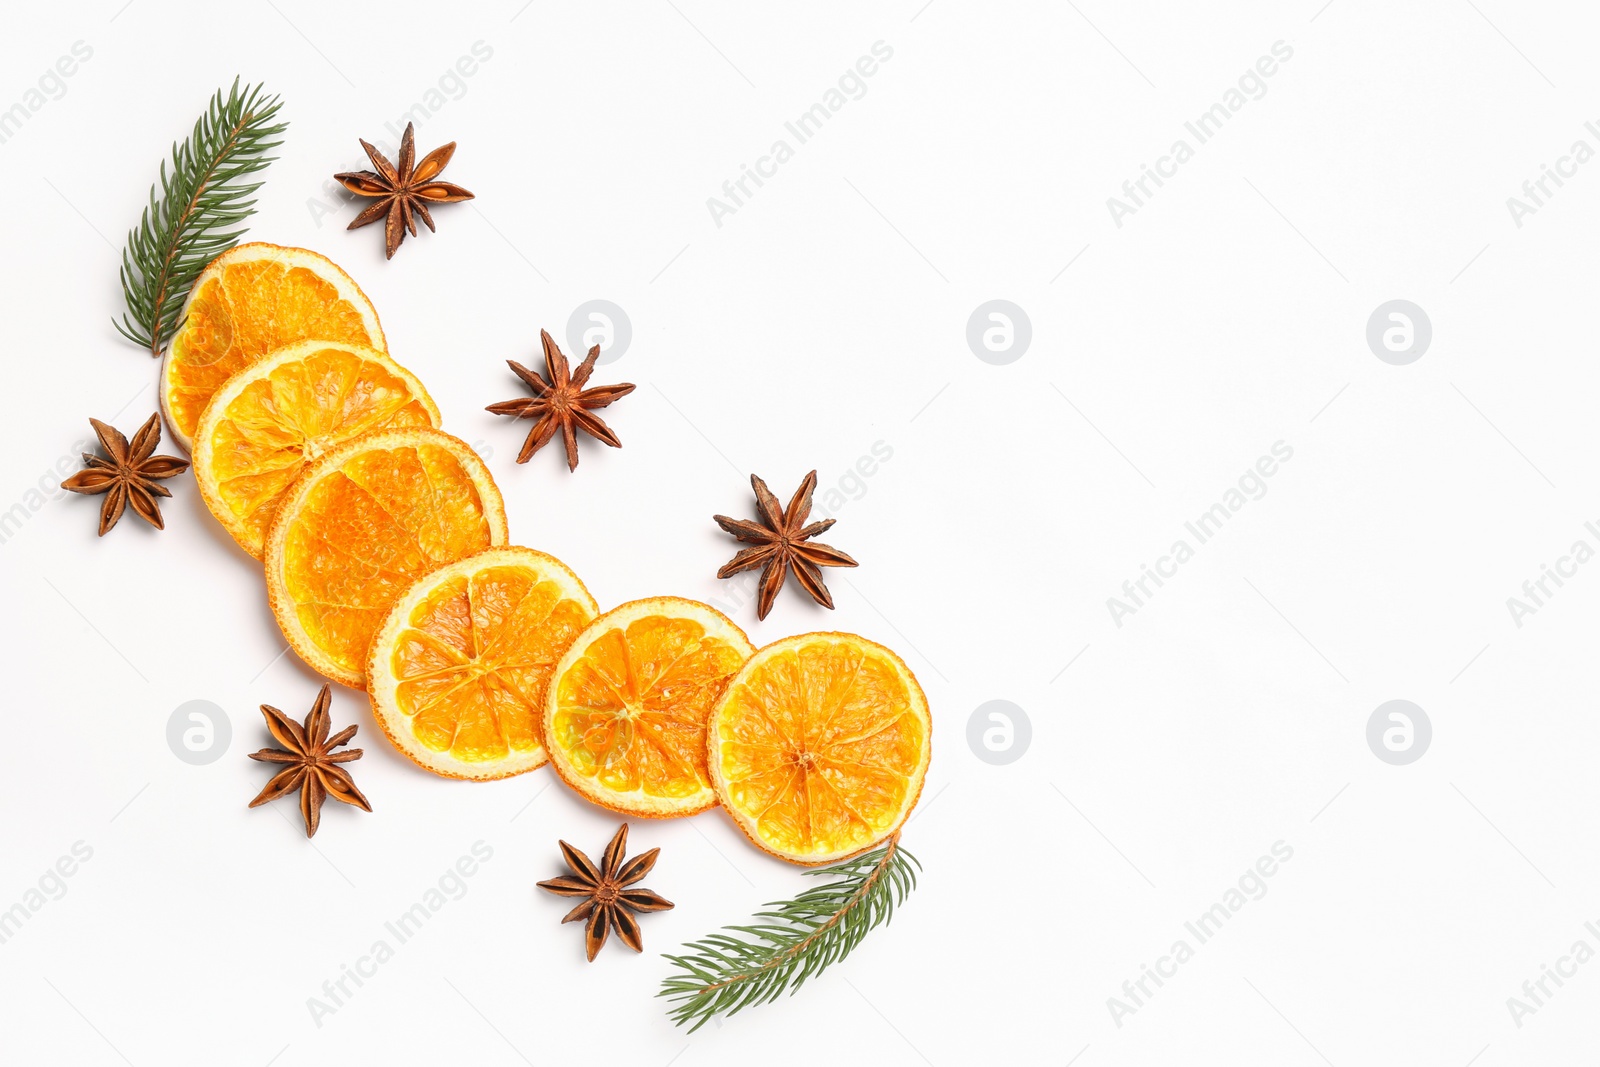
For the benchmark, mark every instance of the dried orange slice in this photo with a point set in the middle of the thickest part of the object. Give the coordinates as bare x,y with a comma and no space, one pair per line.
249,301
271,420
820,746
368,518
625,720
459,669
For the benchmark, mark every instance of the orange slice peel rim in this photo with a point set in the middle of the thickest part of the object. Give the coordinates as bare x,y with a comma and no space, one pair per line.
251,536
383,684
182,418
639,802
283,603
727,711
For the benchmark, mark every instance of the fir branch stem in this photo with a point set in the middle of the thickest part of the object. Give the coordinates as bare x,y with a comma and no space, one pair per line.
724,974
799,947
164,275
186,226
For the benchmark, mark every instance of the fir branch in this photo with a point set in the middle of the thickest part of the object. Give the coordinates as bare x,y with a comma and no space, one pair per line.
189,225
724,974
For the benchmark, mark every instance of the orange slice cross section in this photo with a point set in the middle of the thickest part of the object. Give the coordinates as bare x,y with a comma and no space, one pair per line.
250,301
625,720
458,672
365,521
820,746
271,420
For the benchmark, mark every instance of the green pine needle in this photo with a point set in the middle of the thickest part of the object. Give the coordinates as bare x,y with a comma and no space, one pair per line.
723,974
200,202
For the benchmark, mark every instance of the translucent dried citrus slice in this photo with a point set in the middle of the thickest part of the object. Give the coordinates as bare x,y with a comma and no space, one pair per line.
820,746
271,420
625,720
459,669
368,518
249,301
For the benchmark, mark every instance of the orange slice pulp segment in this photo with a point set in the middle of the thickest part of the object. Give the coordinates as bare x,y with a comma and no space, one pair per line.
820,746
271,420
249,301
625,720
458,673
363,522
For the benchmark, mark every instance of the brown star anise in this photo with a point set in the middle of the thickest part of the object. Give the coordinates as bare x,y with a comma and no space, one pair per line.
608,901
562,403
782,539
128,476
312,765
403,192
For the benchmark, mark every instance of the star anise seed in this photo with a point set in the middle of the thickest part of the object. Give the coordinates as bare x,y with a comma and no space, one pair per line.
783,540
608,901
311,765
403,192
128,476
561,403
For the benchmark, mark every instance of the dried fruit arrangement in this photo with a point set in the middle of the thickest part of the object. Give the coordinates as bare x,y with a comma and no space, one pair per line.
388,567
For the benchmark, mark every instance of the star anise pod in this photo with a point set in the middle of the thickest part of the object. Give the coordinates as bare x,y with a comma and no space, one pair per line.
783,540
403,192
562,403
128,476
608,902
311,764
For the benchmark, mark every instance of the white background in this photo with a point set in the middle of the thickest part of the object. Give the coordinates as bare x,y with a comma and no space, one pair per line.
826,315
